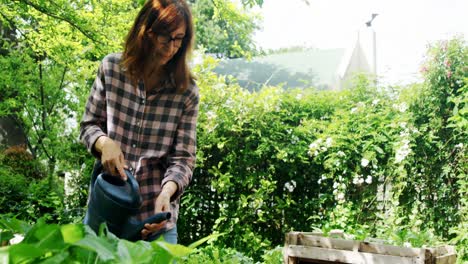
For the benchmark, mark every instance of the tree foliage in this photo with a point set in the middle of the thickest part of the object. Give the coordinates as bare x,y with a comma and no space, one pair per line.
224,29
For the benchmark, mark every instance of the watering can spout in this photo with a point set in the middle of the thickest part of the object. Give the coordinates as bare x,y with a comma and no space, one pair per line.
116,202
132,230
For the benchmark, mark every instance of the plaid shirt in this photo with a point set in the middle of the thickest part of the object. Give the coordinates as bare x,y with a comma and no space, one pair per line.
156,130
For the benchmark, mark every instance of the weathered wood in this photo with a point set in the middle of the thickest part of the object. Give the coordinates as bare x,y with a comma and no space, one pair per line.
313,248
325,242
343,256
446,259
291,239
389,250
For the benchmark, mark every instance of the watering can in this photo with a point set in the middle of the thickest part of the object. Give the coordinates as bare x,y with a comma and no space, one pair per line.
116,202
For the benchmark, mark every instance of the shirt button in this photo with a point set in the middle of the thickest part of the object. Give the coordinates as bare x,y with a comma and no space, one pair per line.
138,123
143,101
134,145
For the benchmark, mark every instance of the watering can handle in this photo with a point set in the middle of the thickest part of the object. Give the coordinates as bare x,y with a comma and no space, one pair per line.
98,168
132,181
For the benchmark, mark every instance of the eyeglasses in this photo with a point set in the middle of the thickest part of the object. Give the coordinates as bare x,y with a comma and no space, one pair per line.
166,40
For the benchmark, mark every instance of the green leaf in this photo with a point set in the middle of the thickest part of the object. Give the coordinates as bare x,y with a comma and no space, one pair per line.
20,253
72,233
203,240
99,245
57,259
14,225
378,149
139,252
175,250
160,255
5,236
49,237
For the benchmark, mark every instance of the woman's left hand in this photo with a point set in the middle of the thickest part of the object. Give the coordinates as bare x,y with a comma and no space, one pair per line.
152,228
162,204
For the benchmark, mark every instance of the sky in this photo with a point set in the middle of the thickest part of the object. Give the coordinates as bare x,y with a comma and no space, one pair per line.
403,28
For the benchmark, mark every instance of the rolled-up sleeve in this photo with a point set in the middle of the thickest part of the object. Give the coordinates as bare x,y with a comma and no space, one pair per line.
93,123
181,159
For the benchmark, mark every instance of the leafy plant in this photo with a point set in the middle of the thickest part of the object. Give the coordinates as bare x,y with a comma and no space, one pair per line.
77,243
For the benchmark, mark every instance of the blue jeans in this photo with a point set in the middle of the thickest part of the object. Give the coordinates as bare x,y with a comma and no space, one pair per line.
170,236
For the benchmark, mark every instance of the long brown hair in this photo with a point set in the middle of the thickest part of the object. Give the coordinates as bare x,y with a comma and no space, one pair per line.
161,16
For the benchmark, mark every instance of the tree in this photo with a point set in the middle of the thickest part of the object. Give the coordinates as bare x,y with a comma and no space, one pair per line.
48,62
224,29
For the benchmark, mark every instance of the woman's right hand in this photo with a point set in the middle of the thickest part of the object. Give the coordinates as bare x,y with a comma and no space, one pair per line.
112,158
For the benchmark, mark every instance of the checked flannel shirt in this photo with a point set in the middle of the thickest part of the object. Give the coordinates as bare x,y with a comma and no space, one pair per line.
156,130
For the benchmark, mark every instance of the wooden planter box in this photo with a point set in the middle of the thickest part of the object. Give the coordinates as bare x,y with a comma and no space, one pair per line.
306,247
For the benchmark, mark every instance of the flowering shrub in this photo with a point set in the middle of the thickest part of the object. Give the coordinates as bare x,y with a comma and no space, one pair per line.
362,160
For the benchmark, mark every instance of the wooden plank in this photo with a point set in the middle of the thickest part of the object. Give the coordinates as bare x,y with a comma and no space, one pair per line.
389,250
442,250
342,256
446,259
291,239
325,242
310,243
354,245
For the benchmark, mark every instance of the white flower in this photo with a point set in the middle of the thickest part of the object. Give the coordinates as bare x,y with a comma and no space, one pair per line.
16,239
460,145
402,151
335,185
375,102
340,196
369,179
407,244
290,186
211,115
299,96
361,180
353,110
329,142
341,154
401,107
355,180
364,162
403,124
361,104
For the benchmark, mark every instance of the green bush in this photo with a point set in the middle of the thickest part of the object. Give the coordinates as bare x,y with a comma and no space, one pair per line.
365,160
26,193
217,255
13,188
44,200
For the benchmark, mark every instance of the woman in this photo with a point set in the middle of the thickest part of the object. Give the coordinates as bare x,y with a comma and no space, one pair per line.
142,111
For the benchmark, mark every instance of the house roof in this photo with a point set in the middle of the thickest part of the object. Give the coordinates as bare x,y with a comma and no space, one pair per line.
306,68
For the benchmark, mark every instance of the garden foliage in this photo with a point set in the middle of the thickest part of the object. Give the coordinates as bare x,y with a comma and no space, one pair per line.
77,243
373,161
